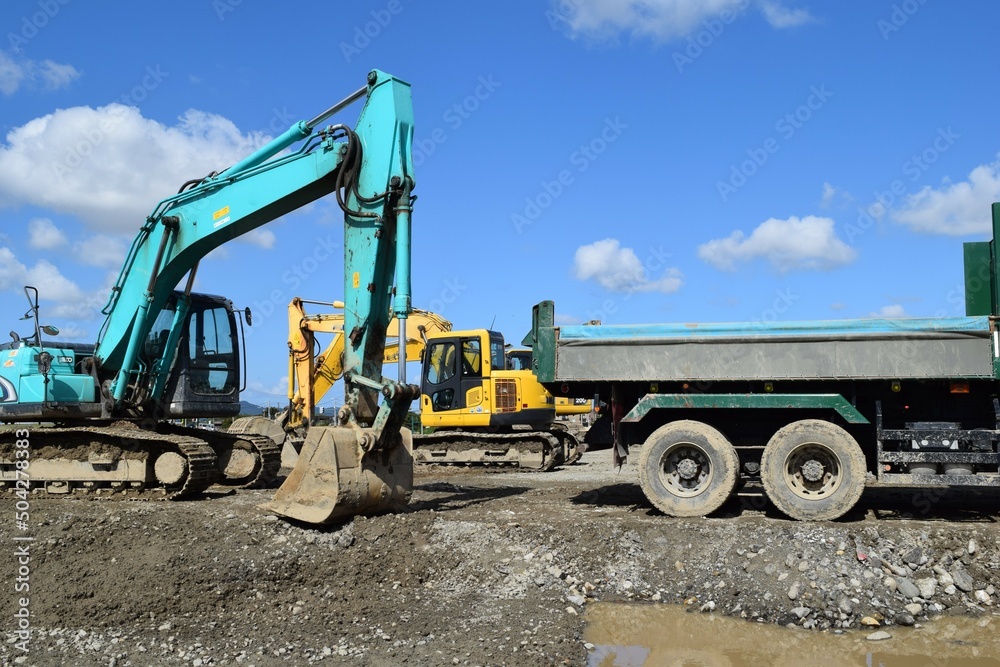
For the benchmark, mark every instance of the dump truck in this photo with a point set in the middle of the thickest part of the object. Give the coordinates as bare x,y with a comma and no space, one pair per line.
813,411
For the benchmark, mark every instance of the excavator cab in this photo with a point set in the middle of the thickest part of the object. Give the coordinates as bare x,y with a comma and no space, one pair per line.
457,373
206,381
466,384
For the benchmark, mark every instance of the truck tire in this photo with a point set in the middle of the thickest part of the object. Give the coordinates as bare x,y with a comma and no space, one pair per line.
813,470
687,468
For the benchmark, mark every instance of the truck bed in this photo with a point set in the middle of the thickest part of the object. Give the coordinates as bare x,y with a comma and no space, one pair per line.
913,348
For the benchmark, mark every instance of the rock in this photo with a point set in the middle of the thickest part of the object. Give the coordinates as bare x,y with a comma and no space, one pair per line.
845,605
793,591
890,583
944,579
904,619
870,622
982,597
801,612
963,580
589,646
708,606
907,588
972,547
881,635
803,566
898,571
782,576
914,608
578,600
571,611
912,556
950,589
927,587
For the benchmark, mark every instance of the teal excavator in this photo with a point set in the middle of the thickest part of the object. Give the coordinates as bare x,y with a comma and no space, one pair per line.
97,418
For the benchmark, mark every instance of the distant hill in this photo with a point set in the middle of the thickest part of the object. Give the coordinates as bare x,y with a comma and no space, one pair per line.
248,408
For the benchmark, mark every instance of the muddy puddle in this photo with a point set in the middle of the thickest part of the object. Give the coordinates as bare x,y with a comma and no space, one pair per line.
662,635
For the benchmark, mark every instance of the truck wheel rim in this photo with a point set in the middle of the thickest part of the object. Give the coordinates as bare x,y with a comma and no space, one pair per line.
685,470
813,471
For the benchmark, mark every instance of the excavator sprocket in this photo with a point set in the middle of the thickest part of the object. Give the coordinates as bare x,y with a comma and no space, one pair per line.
115,458
534,450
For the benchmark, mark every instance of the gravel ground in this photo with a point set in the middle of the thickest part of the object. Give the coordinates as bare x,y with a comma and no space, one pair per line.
486,568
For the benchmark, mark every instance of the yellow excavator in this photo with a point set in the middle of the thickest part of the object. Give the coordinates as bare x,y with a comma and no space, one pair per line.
487,407
503,415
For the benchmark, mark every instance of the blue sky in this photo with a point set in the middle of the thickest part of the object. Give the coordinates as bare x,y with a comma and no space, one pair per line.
634,161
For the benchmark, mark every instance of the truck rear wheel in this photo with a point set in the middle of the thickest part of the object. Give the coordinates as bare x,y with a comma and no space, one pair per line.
687,468
813,470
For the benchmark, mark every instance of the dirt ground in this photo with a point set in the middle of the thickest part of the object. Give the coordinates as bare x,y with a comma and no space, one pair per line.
486,568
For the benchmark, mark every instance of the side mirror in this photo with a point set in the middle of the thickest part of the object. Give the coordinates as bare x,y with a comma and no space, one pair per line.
50,330
248,316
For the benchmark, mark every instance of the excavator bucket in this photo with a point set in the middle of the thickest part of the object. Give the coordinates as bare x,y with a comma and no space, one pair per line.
334,479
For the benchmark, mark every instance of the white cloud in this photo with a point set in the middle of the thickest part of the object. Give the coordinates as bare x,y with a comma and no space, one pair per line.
280,388
43,74
44,235
619,270
794,244
890,311
834,196
110,165
262,238
661,20
101,250
65,297
954,209
783,17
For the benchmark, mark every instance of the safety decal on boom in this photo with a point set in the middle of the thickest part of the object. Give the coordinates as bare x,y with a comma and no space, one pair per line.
224,211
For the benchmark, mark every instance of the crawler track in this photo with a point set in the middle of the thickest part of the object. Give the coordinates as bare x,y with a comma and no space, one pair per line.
116,458
533,450
246,460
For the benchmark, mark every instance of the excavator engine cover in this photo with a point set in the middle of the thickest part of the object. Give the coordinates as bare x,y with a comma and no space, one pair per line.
335,479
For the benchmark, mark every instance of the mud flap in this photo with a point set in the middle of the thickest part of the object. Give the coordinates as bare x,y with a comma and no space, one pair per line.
334,480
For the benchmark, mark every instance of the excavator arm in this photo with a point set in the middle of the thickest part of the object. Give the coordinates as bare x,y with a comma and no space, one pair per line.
370,170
